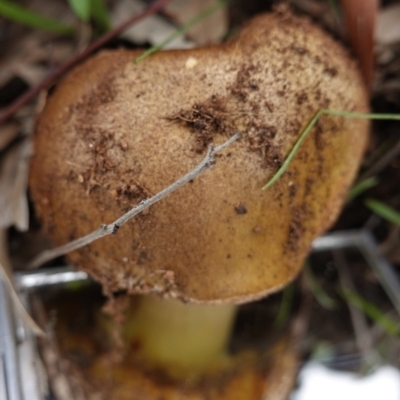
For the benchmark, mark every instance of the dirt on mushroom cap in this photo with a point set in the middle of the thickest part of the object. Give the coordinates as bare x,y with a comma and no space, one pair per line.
120,132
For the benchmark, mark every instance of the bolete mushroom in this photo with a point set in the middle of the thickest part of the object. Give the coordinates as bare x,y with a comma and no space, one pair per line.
113,133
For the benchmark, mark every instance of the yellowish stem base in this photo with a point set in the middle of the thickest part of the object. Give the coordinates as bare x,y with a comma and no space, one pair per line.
179,337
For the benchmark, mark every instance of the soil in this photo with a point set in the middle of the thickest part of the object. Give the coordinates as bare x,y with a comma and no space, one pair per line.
217,115
205,120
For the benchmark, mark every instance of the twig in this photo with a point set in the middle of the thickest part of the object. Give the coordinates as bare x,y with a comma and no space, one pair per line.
21,310
56,74
5,276
112,229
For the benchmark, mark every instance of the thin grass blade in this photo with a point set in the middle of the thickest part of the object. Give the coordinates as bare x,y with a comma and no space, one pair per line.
383,210
81,8
361,187
99,13
390,326
305,132
29,18
181,31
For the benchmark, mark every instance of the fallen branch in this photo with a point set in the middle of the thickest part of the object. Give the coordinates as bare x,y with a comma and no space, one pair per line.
112,229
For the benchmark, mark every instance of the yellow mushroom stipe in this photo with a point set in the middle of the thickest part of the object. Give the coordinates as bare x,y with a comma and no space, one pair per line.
187,338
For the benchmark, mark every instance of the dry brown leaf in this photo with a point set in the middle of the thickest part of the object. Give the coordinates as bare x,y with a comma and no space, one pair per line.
13,186
209,31
24,52
153,29
360,21
388,25
8,132
28,53
29,56
4,260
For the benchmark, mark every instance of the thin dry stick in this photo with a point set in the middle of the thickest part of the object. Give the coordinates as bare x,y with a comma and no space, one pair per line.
23,313
112,229
6,276
59,72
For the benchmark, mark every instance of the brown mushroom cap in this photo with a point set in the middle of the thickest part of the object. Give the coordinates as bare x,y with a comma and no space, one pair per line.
114,133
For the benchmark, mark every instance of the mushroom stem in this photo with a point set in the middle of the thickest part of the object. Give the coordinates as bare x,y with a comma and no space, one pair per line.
183,338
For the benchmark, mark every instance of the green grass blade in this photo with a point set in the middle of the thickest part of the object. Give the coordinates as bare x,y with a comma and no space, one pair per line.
308,128
372,116
99,13
336,9
361,187
285,306
181,31
29,18
81,8
390,326
318,292
383,211
294,150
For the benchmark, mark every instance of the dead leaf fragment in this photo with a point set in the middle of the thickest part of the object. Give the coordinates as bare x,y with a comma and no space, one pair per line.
388,25
8,132
153,29
13,186
360,20
209,31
